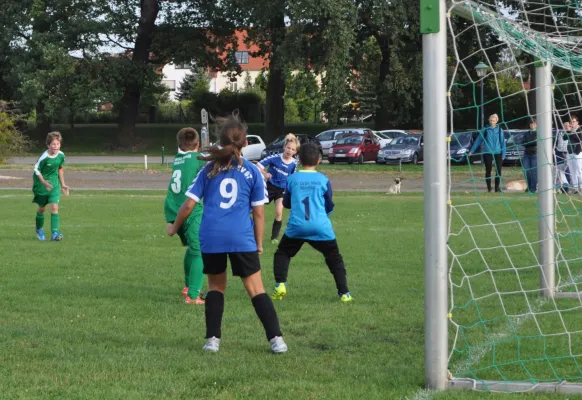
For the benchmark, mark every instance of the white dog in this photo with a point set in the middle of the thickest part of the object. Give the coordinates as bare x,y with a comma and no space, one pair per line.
395,187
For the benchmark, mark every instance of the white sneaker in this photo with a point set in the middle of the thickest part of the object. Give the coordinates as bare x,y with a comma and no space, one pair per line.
278,345
212,344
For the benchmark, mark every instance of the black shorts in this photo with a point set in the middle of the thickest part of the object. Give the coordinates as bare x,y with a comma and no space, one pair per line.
243,264
274,192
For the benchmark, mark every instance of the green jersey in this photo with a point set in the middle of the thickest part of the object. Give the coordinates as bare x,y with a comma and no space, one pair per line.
48,166
185,168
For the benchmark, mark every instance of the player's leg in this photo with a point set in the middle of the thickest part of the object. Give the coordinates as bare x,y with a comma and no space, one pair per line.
287,249
278,220
196,266
39,222
335,263
248,267
215,268
56,234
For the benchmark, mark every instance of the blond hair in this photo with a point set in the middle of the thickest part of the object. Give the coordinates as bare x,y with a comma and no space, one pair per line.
53,136
494,116
291,138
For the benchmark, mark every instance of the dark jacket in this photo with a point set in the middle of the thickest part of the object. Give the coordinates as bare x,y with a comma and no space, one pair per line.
574,141
530,142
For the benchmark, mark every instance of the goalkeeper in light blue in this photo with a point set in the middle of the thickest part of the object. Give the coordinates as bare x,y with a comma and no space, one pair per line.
309,196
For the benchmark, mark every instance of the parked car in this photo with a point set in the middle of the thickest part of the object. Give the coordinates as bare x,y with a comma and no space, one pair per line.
255,147
330,137
406,149
514,147
383,140
357,147
276,147
391,134
461,143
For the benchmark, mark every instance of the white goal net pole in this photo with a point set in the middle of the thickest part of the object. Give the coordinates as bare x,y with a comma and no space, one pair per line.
434,64
547,221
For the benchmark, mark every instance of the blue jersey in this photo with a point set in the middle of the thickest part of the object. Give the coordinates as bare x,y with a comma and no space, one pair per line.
226,225
279,169
309,196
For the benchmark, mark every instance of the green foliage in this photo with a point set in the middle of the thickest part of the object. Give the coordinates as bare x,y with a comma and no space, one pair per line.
12,141
291,111
196,82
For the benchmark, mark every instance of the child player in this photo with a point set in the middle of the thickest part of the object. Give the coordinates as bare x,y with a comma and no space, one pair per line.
185,168
48,182
309,196
232,187
280,166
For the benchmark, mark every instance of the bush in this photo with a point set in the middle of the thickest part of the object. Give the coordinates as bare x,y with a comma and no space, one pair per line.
12,141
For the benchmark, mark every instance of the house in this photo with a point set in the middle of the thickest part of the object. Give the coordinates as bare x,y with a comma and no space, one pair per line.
174,74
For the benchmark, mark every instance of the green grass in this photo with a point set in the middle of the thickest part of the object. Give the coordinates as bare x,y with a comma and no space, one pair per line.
100,315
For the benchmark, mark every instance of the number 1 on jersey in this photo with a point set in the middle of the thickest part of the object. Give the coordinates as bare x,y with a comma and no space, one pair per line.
305,202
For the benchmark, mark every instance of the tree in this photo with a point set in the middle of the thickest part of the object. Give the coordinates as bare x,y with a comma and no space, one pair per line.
395,26
195,82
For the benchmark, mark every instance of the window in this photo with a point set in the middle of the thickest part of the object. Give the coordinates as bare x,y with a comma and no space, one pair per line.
185,65
253,140
325,136
242,57
169,84
233,86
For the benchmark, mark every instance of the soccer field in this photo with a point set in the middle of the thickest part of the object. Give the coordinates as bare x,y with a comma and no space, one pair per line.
99,315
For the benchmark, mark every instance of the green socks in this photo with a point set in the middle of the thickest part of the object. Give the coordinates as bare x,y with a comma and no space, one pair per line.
39,221
55,223
193,274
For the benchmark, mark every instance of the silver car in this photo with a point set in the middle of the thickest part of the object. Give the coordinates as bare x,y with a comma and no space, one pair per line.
329,138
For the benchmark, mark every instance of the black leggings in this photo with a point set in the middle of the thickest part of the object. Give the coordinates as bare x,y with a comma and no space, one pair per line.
488,159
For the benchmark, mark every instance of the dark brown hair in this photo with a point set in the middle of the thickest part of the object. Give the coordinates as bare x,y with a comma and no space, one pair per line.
53,136
233,137
187,139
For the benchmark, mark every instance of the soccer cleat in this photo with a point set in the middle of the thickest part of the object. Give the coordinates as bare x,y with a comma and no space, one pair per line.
346,297
212,344
185,291
40,234
278,345
279,292
56,237
197,300
274,241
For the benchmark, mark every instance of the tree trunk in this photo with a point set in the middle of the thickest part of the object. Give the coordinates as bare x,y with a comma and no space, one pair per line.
43,123
141,52
275,96
382,119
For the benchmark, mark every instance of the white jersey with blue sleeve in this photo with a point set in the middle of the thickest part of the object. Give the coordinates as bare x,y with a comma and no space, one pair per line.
278,168
309,196
227,226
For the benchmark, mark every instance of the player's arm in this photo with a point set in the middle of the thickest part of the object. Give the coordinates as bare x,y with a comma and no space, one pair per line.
182,216
64,187
37,167
262,165
328,197
259,226
287,197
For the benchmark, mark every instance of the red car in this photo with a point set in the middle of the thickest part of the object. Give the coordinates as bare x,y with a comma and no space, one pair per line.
357,147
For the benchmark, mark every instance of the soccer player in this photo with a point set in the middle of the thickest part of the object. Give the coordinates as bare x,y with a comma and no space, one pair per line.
185,168
309,196
232,187
48,183
280,166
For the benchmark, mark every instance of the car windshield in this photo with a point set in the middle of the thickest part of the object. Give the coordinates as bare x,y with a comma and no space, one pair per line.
392,134
405,140
354,139
462,139
383,135
516,138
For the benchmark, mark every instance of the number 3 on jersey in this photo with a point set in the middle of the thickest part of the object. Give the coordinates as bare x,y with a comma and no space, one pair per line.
176,183
228,190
